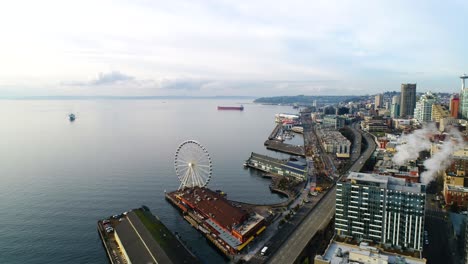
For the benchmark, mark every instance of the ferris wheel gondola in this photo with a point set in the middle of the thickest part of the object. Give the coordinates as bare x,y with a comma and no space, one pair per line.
193,164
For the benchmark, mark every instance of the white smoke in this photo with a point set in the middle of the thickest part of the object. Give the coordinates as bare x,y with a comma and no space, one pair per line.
442,159
412,144
419,140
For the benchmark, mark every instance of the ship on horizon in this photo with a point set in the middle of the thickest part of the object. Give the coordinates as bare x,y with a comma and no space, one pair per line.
239,108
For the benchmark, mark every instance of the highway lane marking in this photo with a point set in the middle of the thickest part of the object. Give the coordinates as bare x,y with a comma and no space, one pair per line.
130,221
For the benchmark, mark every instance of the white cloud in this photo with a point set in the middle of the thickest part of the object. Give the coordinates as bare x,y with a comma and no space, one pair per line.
233,43
110,78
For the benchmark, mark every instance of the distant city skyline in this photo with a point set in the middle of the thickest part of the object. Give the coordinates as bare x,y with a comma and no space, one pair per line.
230,48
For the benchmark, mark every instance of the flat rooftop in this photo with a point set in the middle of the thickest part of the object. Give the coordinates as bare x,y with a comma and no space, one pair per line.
386,182
333,136
455,188
134,246
213,205
146,240
382,181
287,115
265,158
253,220
341,253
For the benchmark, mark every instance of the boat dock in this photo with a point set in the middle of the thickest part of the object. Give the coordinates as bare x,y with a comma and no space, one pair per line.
138,236
285,148
275,132
275,142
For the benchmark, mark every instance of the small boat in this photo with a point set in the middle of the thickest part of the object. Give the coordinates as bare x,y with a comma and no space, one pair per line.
72,117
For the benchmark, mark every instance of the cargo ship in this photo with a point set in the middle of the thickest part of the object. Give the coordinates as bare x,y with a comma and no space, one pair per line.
239,108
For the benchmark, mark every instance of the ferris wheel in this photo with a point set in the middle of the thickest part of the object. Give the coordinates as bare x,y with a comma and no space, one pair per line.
193,164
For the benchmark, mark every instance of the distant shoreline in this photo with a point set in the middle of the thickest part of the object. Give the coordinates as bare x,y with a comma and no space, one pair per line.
123,97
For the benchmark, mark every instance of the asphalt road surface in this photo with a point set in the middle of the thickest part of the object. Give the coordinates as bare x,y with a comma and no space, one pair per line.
317,220
357,166
319,217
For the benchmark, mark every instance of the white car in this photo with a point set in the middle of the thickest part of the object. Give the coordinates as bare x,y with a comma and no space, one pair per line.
264,251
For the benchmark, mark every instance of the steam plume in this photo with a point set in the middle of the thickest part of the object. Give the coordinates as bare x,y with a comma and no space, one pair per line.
443,157
419,140
412,144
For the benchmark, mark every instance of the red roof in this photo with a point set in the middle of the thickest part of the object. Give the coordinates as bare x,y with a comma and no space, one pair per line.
213,205
288,122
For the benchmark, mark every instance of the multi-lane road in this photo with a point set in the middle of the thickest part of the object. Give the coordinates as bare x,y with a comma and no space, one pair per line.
371,145
315,221
319,217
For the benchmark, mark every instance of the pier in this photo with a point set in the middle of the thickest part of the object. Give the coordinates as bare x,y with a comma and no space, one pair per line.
295,169
275,132
228,226
285,148
138,236
275,142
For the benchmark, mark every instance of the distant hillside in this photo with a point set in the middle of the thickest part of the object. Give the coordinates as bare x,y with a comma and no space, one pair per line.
305,99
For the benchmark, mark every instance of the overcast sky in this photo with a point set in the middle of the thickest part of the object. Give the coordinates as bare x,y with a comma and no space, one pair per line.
217,47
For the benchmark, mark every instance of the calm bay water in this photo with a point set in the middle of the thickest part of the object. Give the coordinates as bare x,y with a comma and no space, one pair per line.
58,178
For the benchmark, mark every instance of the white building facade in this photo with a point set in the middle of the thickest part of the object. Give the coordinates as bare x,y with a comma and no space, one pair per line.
423,109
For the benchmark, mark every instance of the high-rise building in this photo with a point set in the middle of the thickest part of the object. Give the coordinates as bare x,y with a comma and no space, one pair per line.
454,105
387,105
439,112
381,209
378,101
333,122
423,109
408,99
395,110
464,98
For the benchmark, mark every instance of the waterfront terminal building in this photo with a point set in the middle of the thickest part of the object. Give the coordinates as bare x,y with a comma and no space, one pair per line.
293,168
383,210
